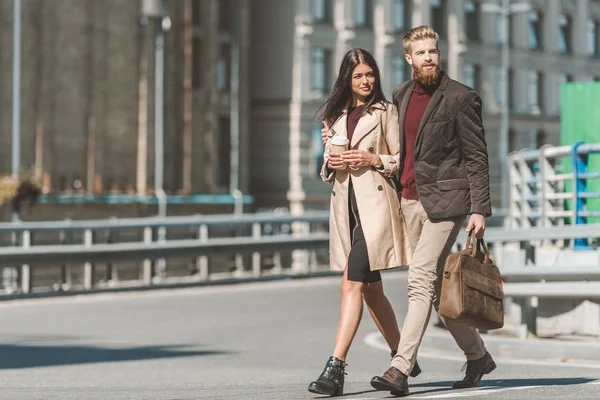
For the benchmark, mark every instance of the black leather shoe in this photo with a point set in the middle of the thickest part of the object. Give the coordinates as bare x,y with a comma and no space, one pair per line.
416,369
331,380
392,381
475,370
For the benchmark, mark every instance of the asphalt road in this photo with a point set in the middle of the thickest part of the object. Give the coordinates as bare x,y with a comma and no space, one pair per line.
250,341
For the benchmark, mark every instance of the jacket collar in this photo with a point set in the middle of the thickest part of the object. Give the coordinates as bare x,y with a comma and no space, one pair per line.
365,125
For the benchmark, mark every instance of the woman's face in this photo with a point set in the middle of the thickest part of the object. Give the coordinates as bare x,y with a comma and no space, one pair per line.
363,80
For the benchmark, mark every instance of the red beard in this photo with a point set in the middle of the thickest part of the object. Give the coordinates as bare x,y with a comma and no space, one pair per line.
428,78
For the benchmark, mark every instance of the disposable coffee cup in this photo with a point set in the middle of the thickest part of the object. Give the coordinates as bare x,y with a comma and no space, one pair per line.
339,144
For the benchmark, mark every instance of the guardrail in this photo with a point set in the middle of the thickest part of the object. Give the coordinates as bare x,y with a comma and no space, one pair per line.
253,233
530,282
306,235
551,187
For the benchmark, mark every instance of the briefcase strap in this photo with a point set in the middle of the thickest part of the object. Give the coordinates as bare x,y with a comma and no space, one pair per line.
474,248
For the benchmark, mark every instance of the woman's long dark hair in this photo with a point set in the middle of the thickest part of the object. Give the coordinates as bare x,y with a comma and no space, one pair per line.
341,93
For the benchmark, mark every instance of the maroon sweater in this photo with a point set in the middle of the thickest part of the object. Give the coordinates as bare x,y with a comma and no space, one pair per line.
419,100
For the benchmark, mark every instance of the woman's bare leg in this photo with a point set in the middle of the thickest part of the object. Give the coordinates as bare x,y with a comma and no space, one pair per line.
382,313
350,315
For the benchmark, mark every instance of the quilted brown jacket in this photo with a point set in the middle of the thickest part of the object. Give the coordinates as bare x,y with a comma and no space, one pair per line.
451,159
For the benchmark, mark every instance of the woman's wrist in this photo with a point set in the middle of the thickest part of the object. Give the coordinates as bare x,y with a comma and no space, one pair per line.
377,163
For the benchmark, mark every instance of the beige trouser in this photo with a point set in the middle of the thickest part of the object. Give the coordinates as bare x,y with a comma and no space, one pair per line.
431,243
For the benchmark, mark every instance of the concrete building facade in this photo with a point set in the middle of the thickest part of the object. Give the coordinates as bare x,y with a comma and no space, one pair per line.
553,42
87,102
244,80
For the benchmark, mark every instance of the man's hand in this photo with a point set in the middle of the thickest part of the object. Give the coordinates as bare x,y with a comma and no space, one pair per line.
335,161
477,225
325,132
360,158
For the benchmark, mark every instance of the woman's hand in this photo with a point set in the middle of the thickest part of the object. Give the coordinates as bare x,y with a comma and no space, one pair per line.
360,158
325,132
335,161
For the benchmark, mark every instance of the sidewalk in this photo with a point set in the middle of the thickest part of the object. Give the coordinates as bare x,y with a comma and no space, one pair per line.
505,343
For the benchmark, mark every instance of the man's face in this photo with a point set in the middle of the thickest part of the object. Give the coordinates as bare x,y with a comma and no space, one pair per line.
425,59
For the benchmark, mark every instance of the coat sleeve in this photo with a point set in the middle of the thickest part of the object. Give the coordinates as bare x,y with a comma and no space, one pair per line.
328,175
391,132
472,143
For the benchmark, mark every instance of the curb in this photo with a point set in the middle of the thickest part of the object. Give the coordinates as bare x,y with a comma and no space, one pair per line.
547,349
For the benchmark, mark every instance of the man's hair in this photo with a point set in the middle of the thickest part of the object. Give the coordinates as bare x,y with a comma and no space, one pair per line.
419,33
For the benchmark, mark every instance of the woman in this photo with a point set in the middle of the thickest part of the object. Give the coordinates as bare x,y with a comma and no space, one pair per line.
366,226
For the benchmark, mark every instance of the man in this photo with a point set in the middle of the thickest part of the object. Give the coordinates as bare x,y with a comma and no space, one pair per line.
444,176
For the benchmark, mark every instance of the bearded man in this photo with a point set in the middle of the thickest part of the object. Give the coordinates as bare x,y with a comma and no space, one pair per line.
444,177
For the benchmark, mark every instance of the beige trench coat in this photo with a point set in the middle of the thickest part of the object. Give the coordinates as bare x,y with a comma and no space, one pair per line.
378,204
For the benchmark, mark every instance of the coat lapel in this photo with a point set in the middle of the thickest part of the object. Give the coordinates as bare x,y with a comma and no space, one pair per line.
404,106
365,125
339,126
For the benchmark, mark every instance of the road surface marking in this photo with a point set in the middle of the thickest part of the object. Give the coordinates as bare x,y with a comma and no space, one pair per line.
373,339
470,393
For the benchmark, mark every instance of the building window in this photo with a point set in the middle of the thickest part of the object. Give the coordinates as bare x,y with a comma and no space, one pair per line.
224,68
565,24
196,63
471,75
398,70
400,15
593,38
535,92
512,140
363,13
498,82
225,10
318,149
438,16
472,20
224,151
197,69
510,92
321,10
541,138
535,30
319,68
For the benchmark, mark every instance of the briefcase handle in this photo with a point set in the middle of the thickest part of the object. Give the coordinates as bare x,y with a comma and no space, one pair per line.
474,248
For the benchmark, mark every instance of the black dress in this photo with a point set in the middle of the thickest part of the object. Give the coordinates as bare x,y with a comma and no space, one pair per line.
359,269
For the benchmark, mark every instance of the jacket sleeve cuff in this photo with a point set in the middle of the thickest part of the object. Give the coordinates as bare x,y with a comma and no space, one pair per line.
390,164
328,175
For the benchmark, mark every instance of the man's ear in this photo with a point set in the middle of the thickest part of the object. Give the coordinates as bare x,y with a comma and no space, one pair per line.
408,59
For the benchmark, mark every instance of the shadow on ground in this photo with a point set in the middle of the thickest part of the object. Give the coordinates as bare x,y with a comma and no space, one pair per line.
16,356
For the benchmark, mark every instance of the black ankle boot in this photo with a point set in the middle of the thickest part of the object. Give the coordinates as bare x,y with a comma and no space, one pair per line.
331,380
416,369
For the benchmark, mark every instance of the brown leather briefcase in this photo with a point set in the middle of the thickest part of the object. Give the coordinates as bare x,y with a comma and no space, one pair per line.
472,288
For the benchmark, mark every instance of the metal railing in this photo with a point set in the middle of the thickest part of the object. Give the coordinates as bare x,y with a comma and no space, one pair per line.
234,235
550,187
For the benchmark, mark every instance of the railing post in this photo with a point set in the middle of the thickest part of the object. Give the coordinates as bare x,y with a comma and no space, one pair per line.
529,314
238,211
25,268
65,269
88,267
9,274
579,165
202,261
161,263
256,257
147,263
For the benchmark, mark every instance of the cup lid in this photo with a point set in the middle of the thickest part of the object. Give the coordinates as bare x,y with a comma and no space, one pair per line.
339,140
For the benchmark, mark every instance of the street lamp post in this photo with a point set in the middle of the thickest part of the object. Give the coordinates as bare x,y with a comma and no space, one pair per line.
154,9
504,10
16,100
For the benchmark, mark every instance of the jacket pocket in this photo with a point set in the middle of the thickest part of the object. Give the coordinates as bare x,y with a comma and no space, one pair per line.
453,184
